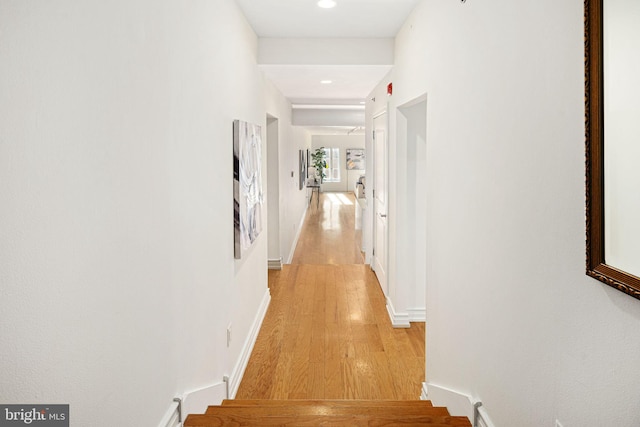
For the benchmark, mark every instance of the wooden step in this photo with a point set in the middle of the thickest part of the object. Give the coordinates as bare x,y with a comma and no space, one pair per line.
323,409
330,402
303,413
325,420
336,406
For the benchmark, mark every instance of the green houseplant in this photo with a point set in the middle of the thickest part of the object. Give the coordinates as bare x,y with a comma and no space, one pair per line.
319,163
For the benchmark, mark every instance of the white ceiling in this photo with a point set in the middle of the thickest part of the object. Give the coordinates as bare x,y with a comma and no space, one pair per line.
303,19
350,18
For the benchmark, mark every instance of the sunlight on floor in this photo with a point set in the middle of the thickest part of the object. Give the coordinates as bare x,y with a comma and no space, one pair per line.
332,205
331,218
339,199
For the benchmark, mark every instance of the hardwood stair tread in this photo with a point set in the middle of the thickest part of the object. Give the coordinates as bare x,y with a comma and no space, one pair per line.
325,420
322,409
306,413
329,402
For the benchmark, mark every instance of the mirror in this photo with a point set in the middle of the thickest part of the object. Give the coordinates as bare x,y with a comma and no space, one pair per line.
612,40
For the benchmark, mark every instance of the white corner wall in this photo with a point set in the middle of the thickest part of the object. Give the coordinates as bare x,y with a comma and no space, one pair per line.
292,200
512,318
117,275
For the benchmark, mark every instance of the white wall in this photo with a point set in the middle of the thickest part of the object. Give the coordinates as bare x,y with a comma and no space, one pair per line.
117,275
512,318
348,178
411,150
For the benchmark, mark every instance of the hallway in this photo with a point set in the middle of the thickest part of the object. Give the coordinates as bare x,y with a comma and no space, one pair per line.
327,334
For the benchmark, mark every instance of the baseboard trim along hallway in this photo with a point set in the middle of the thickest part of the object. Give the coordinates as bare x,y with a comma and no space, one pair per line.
398,320
298,233
417,314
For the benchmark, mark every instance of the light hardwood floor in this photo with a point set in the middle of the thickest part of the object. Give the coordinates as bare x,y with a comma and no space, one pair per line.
327,334
329,235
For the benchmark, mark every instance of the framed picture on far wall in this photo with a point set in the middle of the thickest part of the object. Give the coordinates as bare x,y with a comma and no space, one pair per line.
355,159
302,172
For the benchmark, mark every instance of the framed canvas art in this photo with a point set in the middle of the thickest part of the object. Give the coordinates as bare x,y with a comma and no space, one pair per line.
302,168
247,185
355,159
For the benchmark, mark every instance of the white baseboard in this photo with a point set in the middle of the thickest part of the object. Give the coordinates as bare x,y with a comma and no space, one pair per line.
171,418
458,404
417,314
274,264
247,348
298,232
398,320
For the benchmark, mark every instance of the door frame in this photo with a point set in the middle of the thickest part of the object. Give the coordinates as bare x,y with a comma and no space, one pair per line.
412,251
374,230
274,259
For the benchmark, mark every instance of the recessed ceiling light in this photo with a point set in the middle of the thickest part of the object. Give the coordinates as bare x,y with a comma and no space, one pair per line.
326,82
327,4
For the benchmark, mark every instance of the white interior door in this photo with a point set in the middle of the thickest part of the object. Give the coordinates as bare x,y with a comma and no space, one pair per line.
380,239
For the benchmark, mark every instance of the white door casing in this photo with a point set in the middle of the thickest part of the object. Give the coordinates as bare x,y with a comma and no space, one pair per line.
380,189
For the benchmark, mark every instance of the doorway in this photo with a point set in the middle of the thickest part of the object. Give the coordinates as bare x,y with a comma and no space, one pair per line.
411,127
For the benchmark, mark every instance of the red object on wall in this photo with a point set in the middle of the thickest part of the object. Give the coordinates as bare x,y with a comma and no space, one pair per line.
390,89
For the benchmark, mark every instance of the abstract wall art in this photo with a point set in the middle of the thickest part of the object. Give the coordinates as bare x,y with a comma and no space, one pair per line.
302,168
247,185
355,159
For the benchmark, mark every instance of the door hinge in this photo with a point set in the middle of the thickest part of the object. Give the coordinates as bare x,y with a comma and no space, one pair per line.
373,251
374,193
374,134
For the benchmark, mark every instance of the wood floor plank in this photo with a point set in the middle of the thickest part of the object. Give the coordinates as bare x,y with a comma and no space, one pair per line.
386,380
281,377
316,381
335,386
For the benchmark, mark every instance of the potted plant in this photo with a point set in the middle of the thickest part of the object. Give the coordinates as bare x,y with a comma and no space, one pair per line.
319,163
